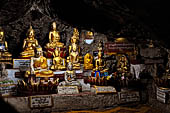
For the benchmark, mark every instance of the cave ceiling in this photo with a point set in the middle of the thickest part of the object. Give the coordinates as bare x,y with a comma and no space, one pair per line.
140,19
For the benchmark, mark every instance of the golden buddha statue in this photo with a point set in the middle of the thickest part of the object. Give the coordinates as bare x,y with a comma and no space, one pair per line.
74,57
99,63
39,66
74,40
4,54
88,61
30,43
54,38
122,65
58,62
74,43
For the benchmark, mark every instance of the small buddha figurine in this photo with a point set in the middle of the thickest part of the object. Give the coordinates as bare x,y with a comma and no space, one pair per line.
74,50
30,43
70,74
58,62
88,61
70,77
122,65
39,65
99,63
74,57
54,38
74,39
54,41
73,43
3,46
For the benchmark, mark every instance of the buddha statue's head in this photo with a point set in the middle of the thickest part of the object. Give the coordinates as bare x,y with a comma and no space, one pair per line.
39,51
54,26
31,32
1,34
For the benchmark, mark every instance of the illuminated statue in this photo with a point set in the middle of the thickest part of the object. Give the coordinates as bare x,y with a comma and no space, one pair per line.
123,65
4,54
74,40
54,38
99,63
74,50
58,62
39,65
74,57
88,61
30,43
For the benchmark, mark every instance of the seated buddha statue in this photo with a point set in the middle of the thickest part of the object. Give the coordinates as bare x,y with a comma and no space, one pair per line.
73,43
99,63
70,74
58,62
30,43
69,77
88,61
54,39
38,65
4,54
122,65
74,57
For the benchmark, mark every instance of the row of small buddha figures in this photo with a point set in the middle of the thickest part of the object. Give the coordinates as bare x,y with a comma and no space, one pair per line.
39,66
30,43
54,48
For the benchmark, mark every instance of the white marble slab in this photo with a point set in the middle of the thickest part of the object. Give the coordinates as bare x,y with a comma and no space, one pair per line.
11,75
67,90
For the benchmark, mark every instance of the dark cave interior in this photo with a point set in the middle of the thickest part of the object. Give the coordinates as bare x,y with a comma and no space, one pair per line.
138,21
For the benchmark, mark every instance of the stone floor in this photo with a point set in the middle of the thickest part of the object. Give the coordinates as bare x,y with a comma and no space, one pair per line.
121,109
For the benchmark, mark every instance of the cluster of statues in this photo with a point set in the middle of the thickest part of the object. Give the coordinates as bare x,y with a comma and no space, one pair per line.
54,49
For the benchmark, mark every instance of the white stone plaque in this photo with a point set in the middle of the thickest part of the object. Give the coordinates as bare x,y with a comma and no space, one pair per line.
129,96
68,90
17,63
11,75
105,89
41,101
